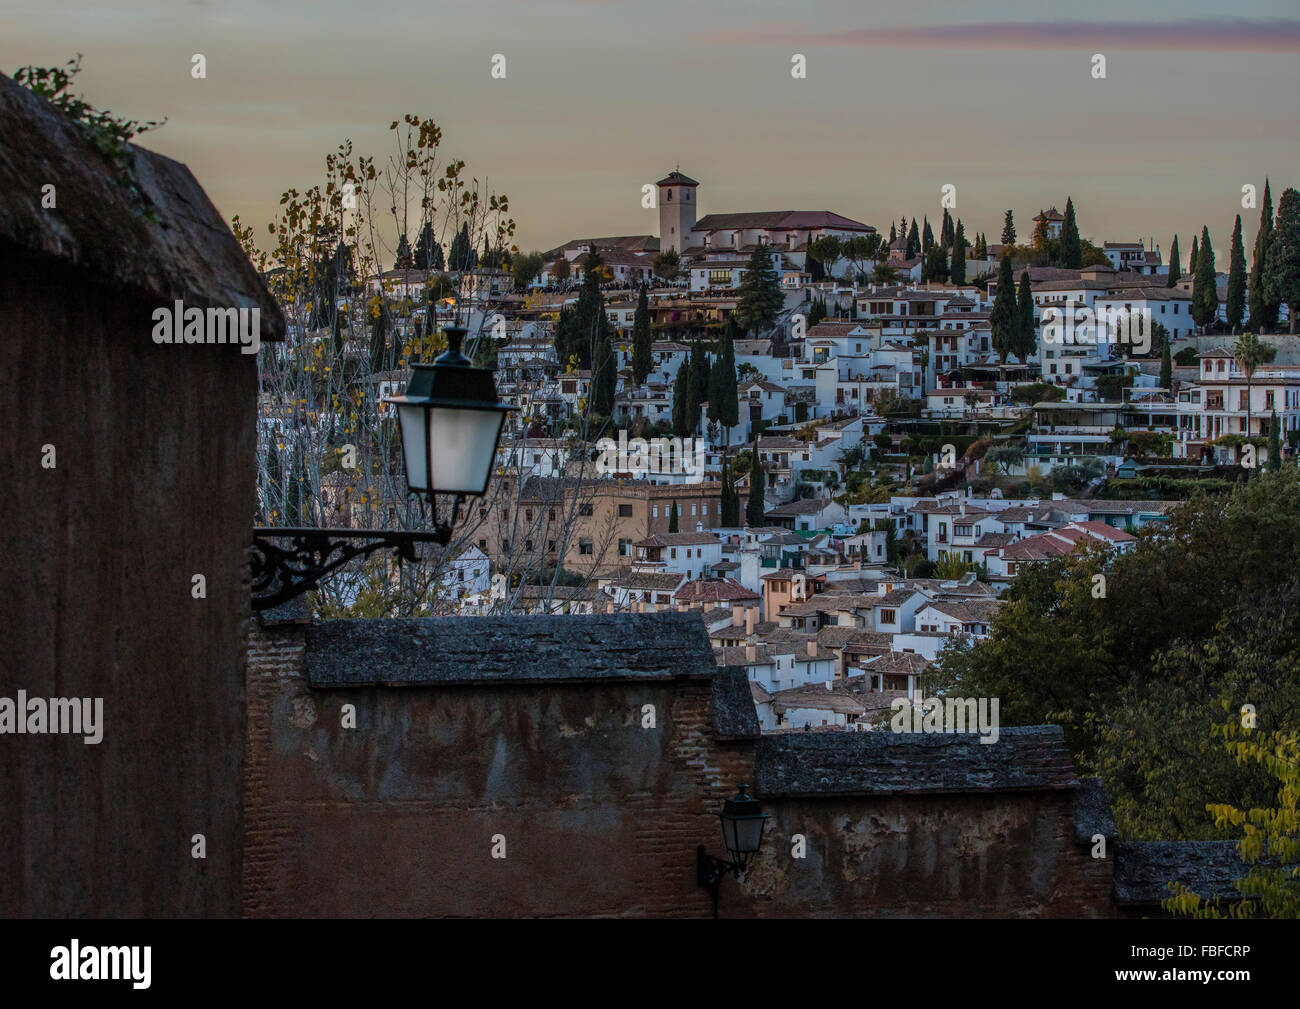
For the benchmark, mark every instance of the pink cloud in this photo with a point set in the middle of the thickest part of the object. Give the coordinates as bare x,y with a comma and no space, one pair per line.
1200,34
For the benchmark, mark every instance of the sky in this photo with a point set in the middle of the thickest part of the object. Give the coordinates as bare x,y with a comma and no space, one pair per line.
603,96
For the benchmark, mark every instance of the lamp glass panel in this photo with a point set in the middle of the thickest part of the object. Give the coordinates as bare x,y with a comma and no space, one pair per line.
414,451
462,448
749,834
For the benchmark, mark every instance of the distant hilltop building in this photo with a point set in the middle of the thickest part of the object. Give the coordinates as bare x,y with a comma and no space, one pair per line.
789,231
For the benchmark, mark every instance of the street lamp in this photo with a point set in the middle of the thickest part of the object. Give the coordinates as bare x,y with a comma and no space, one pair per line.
743,820
451,420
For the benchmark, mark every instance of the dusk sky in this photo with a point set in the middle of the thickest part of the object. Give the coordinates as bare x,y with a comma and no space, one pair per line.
602,97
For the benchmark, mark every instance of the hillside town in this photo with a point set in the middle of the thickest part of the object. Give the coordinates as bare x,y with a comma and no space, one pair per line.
839,445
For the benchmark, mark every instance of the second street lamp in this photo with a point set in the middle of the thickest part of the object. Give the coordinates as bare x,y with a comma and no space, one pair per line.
743,820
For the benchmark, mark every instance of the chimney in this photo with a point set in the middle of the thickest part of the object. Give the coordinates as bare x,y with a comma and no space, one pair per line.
812,649
751,653
751,617
737,616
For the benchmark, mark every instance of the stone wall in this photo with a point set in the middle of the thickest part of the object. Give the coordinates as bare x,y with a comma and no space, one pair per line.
531,730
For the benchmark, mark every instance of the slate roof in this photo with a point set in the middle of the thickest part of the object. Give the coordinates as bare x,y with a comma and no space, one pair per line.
1143,868
795,765
190,254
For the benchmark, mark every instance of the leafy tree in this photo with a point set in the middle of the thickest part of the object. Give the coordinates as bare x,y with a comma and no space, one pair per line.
1175,267
1071,255
1205,292
861,249
1236,300
526,269
981,250
1004,316
668,265
826,251
1026,339
1282,277
755,508
1008,231
760,299
1263,310
672,518
642,357
561,270
1040,232
957,272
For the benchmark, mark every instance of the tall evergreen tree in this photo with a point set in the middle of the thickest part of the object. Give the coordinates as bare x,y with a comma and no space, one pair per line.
1263,312
566,337
760,298
927,237
404,261
981,251
730,499
913,241
1004,317
1071,253
957,271
1166,361
1175,267
461,255
642,357
681,393
424,248
672,518
893,233
724,393
1191,260
755,507
697,383
947,234
934,265
1282,279
1235,304
1026,330
604,374
1205,292
1274,442
1008,230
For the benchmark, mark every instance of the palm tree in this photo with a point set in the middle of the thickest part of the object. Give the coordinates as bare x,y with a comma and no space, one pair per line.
1249,354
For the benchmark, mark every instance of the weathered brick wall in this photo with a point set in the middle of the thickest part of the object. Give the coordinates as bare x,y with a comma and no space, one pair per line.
600,816
397,817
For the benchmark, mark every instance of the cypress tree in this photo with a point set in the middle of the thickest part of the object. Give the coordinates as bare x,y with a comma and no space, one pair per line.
730,499
893,233
934,265
642,359
1274,443
1003,317
728,389
1175,267
1191,261
754,507
681,393
1236,300
761,299
672,518
1205,294
424,248
1166,362
699,383
1071,252
1008,230
1263,312
913,241
946,235
604,375
957,271
1026,341
1282,279
927,237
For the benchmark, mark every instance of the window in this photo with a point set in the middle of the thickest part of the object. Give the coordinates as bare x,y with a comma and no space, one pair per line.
888,616
505,545
654,512
584,509
550,545
551,515
482,544
528,545
584,547
625,511
624,548
528,514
